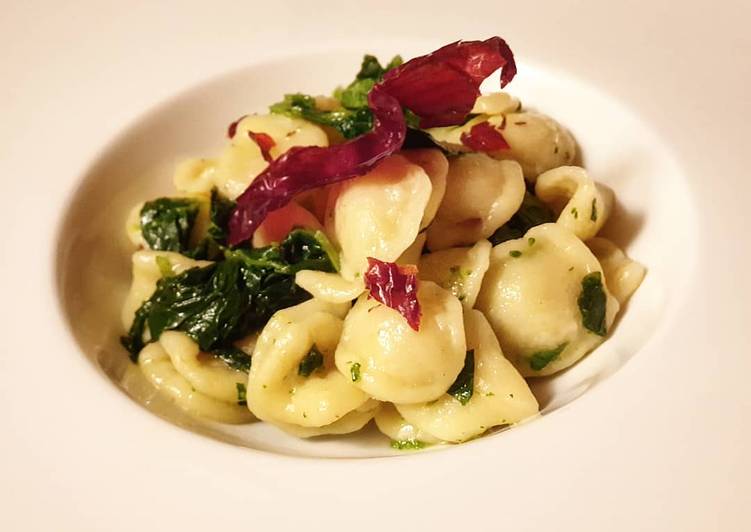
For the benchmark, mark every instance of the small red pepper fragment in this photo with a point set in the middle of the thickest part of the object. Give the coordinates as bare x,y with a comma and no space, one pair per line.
396,287
232,129
265,142
484,137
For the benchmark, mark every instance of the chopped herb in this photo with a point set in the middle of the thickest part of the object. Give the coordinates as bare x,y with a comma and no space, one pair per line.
166,223
235,358
165,266
455,282
224,301
531,241
571,269
593,304
354,371
593,216
520,123
540,359
310,362
463,386
515,253
241,394
489,394
304,415
407,445
531,213
575,212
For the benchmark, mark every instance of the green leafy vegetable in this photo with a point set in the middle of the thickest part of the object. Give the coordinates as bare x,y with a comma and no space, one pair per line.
408,445
242,394
355,95
354,371
221,209
354,118
540,359
222,302
463,386
515,253
166,223
310,362
593,304
235,358
531,213
350,123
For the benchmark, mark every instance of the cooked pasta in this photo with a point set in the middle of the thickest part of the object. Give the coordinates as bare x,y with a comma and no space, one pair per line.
532,294
336,263
481,195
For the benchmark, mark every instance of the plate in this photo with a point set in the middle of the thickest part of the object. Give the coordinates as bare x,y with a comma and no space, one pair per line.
657,441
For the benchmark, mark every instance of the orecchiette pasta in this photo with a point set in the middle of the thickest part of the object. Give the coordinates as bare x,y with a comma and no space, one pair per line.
206,373
133,226
530,296
197,175
497,103
351,422
459,270
436,166
391,423
383,356
378,215
157,367
242,160
583,206
537,142
623,275
278,391
500,395
148,268
481,195
329,287
412,254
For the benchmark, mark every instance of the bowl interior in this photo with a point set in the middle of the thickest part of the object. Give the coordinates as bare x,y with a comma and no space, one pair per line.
652,221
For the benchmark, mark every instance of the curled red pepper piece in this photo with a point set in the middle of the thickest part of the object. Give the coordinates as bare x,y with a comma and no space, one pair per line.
232,129
265,142
396,287
484,137
440,88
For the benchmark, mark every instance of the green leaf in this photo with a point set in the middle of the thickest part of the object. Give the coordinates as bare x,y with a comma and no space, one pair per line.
593,304
166,223
463,386
224,301
355,95
593,213
310,362
408,445
531,213
235,358
350,123
540,359
242,394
